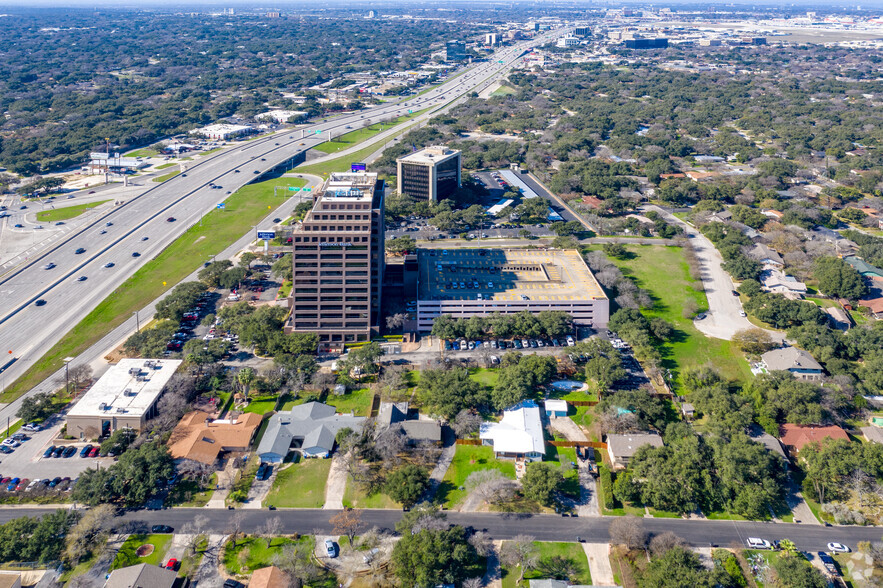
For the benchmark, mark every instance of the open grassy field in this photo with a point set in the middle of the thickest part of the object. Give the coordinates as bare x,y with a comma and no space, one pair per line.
259,554
300,485
127,556
67,212
145,152
664,273
355,497
218,229
546,550
467,459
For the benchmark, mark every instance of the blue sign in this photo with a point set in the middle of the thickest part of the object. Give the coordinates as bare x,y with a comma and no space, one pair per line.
221,205
266,235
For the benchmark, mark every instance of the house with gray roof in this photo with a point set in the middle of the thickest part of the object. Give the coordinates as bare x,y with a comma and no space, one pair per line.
792,359
142,576
766,256
417,430
310,428
622,448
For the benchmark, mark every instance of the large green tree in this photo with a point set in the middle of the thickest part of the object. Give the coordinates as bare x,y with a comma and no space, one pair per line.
432,557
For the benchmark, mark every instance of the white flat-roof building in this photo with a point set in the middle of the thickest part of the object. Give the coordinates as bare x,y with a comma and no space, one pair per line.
100,163
124,397
518,435
222,132
282,116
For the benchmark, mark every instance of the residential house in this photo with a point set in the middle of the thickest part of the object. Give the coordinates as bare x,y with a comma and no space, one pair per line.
555,407
838,317
873,301
622,448
723,216
270,577
549,583
863,267
773,214
310,428
874,214
142,576
872,434
770,258
758,435
10,579
796,437
799,362
518,435
772,280
199,438
416,430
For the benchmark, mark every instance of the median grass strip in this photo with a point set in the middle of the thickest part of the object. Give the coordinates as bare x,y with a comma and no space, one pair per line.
357,136
164,165
218,230
166,177
145,152
60,214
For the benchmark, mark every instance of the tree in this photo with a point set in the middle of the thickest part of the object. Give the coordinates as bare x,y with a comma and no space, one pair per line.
396,321
400,245
615,250
37,407
661,543
628,531
431,557
541,482
839,279
133,479
347,522
245,377
447,392
179,300
211,274
754,341
296,560
677,567
423,516
466,422
490,485
407,484
521,552
796,572
91,531
271,529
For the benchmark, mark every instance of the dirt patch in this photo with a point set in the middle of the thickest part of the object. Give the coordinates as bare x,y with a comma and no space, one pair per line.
145,550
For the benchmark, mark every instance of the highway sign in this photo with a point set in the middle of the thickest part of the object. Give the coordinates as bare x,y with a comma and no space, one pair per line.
293,189
221,205
308,189
266,235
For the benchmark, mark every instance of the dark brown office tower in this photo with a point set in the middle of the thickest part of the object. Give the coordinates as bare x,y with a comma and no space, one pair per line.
338,262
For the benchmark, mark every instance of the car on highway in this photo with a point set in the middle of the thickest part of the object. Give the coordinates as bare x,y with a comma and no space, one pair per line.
49,266
109,264
82,279
59,223
40,302
235,171
108,224
161,529
277,220
80,250
742,313
838,548
19,226
256,171
145,238
94,452
39,227
171,219
136,254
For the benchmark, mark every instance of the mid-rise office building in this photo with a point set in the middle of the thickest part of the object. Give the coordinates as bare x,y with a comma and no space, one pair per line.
492,39
338,261
455,50
430,174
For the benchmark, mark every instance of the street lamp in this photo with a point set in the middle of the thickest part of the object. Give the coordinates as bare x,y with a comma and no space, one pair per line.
137,322
67,361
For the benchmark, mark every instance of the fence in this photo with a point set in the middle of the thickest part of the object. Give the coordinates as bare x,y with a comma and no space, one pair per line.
592,444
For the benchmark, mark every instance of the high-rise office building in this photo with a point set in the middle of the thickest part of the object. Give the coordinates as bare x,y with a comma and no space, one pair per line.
338,261
430,174
455,50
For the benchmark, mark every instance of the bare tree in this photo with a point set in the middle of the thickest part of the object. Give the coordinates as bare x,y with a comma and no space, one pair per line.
271,529
296,560
91,531
661,543
490,485
391,443
467,421
521,552
80,374
628,531
611,421
393,379
347,522
234,527
482,543
473,583
324,380
396,321
861,484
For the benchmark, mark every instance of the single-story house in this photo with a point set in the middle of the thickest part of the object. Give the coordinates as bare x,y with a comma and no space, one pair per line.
863,267
199,438
796,437
792,359
269,577
518,435
399,414
555,407
622,448
766,256
872,434
772,280
688,410
758,435
310,427
142,576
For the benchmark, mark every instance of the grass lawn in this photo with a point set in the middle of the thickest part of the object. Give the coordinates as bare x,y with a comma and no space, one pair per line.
663,272
164,165
355,497
486,377
467,459
545,551
258,553
349,139
503,91
358,401
68,212
261,404
167,176
300,485
189,564
571,478
219,228
127,556
210,151
187,493
145,152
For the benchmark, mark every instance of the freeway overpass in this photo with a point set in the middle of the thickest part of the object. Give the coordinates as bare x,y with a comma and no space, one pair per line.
140,226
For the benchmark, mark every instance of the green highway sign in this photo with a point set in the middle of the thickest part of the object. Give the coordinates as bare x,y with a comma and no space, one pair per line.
410,111
293,189
308,189
501,61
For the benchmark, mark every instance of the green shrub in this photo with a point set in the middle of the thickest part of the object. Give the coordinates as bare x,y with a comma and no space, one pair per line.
606,487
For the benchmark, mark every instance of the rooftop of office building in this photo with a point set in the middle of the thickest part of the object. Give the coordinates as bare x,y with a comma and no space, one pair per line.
505,274
431,154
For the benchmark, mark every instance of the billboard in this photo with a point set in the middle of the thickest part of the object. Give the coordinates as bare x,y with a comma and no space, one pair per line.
267,235
358,167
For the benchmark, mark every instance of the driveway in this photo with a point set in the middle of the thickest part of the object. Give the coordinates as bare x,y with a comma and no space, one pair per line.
588,504
336,484
598,555
207,575
722,320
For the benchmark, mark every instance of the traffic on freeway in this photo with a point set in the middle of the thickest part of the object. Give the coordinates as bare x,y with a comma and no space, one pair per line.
113,246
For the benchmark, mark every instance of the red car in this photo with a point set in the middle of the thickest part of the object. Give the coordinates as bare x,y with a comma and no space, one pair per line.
172,565
94,452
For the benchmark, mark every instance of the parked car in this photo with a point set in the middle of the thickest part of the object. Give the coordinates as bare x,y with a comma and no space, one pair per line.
49,451
55,481
838,548
758,543
330,548
85,450
69,452
94,452
161,529
172,564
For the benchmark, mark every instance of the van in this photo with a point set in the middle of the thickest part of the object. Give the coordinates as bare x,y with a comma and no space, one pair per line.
758,543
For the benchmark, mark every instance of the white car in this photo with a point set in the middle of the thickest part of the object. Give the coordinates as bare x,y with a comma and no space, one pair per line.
838,548
10,442
330,548
758,543
570,341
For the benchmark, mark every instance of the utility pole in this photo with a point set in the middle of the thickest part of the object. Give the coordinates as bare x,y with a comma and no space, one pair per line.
137,322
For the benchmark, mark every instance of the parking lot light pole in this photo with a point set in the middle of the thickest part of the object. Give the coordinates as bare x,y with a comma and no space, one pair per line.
67,361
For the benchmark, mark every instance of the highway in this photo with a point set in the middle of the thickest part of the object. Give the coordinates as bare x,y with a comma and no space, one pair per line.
140,226
697,532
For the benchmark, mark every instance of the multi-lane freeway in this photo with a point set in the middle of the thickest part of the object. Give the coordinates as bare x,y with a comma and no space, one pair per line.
43,298
699,533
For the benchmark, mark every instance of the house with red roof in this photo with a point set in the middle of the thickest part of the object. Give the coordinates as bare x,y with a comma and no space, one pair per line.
796,437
